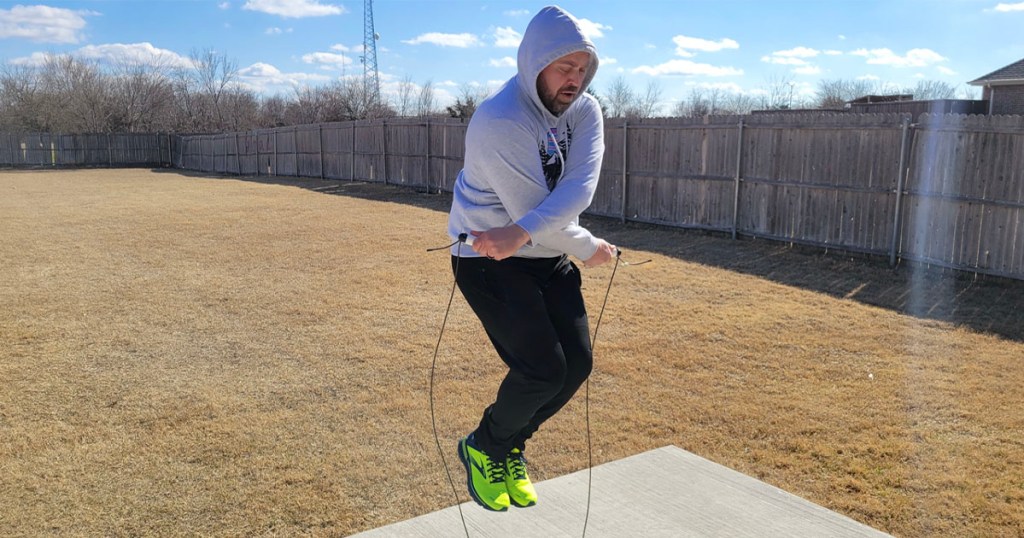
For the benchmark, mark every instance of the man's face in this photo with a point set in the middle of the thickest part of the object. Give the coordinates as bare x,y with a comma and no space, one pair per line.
559,82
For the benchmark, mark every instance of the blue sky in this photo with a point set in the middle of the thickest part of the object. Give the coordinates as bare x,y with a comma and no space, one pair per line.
738,46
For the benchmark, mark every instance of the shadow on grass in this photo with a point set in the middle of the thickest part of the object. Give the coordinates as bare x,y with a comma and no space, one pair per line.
983,304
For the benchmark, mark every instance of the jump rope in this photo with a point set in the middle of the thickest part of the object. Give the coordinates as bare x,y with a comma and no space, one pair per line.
462,239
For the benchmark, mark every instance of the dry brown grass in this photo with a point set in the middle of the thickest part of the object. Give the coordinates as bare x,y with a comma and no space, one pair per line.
191,355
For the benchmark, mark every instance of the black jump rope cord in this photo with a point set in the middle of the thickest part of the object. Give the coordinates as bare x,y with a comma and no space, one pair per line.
586,398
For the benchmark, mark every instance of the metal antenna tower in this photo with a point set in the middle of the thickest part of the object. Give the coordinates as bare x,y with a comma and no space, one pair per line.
371,80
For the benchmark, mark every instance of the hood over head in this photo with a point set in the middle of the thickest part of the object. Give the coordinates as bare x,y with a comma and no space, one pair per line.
551,34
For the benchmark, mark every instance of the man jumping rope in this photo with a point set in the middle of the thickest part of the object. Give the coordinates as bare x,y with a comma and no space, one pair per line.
532,162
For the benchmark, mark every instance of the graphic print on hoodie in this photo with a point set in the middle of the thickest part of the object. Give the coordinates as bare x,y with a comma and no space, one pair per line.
503,181
551,155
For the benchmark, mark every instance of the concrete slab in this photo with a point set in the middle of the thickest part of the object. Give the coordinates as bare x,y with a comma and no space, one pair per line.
667,492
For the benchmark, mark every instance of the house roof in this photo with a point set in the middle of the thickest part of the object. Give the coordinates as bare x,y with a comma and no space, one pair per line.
1013,73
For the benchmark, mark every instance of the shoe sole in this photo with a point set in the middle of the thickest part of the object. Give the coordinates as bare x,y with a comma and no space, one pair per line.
464,458
527,505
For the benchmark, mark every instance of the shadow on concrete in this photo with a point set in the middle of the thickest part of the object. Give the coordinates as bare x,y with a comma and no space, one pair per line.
983,304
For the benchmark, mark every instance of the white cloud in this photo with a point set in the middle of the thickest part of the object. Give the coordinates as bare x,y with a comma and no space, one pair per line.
686,67
43,24
794,56
34,59
341,48
797,52
807,70
445,40
265,78
686,44
730,87
841,37
507,37
134,53
833,53
296,9
781,60
591,29
516,13
868,77
507,61
945,70
1005,8
913,57
224,5
115,53
327,60
273,30
608,61
448,84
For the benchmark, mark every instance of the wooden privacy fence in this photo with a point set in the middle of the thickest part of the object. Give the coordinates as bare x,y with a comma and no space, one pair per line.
104,149
945,190
413,152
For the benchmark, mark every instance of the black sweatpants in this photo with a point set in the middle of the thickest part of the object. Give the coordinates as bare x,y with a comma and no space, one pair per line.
533,312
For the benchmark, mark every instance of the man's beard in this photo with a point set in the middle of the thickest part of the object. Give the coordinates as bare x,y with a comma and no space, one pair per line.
550,99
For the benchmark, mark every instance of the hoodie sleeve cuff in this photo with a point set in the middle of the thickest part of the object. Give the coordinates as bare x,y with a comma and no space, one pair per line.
531,222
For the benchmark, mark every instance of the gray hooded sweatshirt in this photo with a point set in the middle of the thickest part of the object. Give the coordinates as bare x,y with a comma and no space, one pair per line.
526,166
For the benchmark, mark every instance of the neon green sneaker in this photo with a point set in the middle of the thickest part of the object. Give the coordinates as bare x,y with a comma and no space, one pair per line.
520,490
485,478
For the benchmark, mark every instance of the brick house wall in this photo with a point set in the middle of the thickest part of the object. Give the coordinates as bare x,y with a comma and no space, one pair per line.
1006,99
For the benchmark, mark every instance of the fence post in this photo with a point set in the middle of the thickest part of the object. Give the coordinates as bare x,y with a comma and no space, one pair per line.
238,155
256,134
295,149
384,146
275,155
444,151
352,161
320,127
428,156
110,152
625,169
897,212
736,190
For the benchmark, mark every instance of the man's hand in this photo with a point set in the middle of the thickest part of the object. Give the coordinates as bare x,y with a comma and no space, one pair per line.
605,253
500,243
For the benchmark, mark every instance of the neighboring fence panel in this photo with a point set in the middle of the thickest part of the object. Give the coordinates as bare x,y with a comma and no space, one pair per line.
828,181
965,194
56,150
407,152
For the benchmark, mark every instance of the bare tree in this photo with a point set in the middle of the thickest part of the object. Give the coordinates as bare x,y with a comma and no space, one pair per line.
778,92
80,95
926,90
199,90
696,104
619,97
646,105
425,104
272,111
22,100
404,105
469,98
308,106
835,93
142,97
737,103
